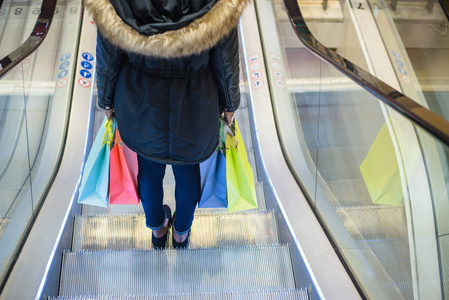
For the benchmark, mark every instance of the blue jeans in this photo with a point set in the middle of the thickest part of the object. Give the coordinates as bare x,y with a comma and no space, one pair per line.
187,193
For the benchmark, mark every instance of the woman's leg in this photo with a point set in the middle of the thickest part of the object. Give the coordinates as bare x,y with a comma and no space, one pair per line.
150,179
187,194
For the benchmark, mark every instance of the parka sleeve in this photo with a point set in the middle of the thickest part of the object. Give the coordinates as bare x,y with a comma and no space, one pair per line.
225,64
109,64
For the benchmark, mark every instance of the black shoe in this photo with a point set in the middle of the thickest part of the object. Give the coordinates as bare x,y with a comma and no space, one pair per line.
159,243
182,245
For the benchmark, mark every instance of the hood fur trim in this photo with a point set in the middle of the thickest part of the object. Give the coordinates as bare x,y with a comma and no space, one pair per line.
200,35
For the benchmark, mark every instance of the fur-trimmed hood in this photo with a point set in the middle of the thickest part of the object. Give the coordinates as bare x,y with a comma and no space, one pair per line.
191,32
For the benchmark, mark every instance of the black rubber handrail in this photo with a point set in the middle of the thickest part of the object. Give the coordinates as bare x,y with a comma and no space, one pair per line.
445,6
430,121
35,39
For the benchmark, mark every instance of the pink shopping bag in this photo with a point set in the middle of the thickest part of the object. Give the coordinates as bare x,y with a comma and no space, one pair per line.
123,174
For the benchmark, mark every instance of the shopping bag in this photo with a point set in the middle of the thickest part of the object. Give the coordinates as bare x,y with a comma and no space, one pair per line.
241,192
213,176
380,171
213,181
95,180
122,180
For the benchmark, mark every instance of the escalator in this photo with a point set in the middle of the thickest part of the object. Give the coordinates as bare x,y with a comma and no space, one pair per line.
326,125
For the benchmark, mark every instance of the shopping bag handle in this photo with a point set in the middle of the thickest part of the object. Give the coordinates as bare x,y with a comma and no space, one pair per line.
109,133
226,129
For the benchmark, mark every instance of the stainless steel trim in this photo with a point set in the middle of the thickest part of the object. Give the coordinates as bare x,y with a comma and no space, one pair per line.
428,120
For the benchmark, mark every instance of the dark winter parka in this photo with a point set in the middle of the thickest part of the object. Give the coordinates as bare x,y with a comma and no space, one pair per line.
166,67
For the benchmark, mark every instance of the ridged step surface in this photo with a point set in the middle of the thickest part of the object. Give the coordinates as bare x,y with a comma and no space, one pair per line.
297,294
389,258
209,229
349,192
169,198
374,221
215,270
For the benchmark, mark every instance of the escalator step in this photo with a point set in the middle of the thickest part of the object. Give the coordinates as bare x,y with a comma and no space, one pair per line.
169,198
389,258
296,294
374,221
209,229
215,270
349,192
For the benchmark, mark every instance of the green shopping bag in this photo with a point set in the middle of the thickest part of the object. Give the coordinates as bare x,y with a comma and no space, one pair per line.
380,171
241,192
95,181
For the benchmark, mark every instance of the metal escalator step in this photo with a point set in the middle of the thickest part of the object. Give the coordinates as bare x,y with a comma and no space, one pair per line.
296,294
218,270
374,221
169,198
349,192
209,229
4,222
400,290
389,258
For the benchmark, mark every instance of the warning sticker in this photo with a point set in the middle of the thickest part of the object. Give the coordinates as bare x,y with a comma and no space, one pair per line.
84,82
61,82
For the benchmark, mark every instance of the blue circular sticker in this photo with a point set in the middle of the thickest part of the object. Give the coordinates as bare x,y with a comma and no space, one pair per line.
395,54
63,74
402,70
64,65
85,74
65,56
87,56
399,62
86,65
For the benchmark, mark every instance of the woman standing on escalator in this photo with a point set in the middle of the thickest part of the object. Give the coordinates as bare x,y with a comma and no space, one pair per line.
168,69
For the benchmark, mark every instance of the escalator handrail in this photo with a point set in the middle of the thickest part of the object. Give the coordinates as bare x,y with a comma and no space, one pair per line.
445,6
430,121
33,41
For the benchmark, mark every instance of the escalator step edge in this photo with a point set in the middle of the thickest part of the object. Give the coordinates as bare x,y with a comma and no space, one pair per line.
287,294
209,229
216,270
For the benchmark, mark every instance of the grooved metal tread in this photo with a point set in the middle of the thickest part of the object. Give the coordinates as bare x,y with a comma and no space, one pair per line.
216,270
374,221
209,229
349,192
296,294
389,258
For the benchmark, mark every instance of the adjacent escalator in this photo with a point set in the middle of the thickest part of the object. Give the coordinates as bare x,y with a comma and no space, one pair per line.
377,180
35,90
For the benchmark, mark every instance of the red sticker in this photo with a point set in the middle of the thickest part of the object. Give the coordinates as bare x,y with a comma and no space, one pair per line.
61,82
84,82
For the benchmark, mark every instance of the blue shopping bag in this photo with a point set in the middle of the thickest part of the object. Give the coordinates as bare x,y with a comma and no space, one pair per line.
95,181
213,180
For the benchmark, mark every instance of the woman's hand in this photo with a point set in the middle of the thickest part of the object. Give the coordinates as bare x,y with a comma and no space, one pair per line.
228,116
109,113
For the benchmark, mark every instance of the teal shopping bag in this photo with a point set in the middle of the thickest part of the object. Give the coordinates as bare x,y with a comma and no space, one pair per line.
95,181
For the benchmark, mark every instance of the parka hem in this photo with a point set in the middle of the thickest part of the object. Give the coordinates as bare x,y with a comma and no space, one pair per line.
167,160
